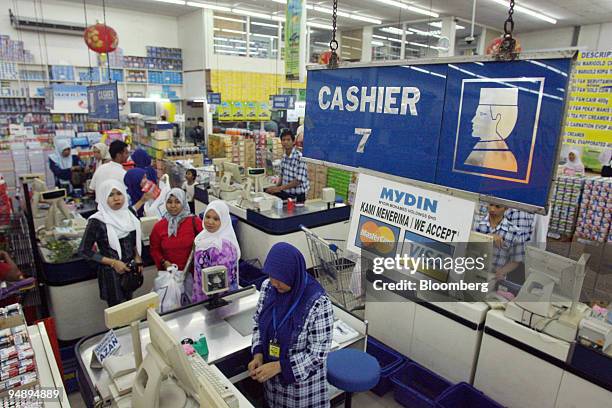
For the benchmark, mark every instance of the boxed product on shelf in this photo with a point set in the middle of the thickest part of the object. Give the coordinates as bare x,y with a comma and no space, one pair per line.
136,76
131,61
61,72
163,52
8,70
565,203
13,50
595,214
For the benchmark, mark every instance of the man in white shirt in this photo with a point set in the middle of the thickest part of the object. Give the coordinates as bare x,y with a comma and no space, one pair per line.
119,153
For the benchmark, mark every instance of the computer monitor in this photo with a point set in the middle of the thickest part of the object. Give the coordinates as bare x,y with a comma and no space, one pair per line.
234,170
256,174
215,280
166,357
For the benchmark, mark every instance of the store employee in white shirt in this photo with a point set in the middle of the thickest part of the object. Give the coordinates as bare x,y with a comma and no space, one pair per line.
119,153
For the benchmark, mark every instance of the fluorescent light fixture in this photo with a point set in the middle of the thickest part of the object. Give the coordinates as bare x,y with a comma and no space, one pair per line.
321,43
278,18
394,39
527,11
198,100
345,37
228,19
438,24
414,9
318,25
251,13
364,18
379,36
230,47
209,6
179,2
225,30
264,24
280,1
230,39
344,14
392,30
378,43
425,33
272,37
231,52
418,44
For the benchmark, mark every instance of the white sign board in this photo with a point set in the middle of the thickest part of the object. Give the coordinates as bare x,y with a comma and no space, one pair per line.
107,347
391,218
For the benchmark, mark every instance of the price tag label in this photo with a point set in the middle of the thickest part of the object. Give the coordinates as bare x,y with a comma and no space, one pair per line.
107,347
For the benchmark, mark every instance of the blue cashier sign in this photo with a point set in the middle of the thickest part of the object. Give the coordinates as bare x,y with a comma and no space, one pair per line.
283,101
103,102
490,128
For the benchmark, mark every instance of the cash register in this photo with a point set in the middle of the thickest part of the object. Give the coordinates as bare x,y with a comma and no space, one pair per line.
548,301
167,376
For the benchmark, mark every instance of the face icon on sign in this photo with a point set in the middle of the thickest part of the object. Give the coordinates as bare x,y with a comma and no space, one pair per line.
493,122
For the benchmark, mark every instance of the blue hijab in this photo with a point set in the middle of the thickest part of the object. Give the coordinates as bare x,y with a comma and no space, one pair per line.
286,264
142,160
132,180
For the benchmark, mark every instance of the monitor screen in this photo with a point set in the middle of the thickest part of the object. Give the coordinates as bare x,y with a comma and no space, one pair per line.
214,280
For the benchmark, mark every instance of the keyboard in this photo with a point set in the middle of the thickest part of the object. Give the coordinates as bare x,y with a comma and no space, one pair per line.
211,382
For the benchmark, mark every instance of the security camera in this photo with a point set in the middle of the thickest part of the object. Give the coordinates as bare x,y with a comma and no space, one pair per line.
470,39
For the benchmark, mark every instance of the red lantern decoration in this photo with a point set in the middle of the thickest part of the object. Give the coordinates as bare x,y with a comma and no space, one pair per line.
101,38
495,44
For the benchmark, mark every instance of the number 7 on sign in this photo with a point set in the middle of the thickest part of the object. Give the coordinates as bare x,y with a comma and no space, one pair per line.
365,135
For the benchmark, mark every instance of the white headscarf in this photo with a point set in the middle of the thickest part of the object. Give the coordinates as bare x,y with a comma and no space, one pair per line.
206,239
63,162
575,165
119,223
103,149
174,221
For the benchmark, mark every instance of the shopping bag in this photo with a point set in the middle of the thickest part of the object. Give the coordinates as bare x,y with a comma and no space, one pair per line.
157,207
169,286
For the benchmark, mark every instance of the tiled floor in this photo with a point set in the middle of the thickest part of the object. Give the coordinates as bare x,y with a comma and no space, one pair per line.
361,400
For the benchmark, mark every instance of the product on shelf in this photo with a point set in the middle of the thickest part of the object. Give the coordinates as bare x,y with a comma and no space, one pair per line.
61,73
12,50
136,76
595,213
565,204
8,70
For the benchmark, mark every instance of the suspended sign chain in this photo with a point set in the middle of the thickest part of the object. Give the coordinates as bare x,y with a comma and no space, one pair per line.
333,44
508,44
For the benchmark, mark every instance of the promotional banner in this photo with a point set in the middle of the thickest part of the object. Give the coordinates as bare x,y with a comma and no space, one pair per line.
263,111
498,135
392,218
588,130
295,46
103,102
69,99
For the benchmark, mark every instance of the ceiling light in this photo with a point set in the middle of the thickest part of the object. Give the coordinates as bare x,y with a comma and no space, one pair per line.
377,43
344,14
425,33
366,19
438,24
318,25
209,6
251,14
410,8
379,36
280,1
527,11
228,19
394,39
418,44
179,2
225,30
272,37
264,24
278,18
393,30
345,37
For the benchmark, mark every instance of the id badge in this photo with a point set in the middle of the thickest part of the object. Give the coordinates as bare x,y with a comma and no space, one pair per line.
274,350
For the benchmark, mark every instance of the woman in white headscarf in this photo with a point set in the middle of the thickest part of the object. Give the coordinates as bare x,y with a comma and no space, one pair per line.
573,165
101,154
62,161
115,231
216,245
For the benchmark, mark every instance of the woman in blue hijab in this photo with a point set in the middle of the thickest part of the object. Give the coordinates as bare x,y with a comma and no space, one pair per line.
292,334
134,180
142,160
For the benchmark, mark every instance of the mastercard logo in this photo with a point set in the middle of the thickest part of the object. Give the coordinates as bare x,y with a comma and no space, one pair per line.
378,238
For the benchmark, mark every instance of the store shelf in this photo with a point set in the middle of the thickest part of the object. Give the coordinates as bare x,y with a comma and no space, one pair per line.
21,97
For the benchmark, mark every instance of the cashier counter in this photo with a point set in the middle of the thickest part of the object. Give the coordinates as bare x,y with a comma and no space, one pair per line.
228,333
516,365
268,226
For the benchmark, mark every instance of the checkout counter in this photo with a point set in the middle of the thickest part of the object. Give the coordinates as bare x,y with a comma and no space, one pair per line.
228,332
74,281
259,230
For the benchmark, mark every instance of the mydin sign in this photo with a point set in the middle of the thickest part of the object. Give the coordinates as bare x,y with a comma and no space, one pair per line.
486,127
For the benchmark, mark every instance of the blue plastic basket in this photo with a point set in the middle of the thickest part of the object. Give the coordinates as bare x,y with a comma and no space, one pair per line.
463,395
417,387
390,362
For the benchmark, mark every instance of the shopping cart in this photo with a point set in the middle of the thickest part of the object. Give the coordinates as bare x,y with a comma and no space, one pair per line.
339,275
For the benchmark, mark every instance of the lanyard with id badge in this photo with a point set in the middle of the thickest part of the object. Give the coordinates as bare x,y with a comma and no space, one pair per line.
274,349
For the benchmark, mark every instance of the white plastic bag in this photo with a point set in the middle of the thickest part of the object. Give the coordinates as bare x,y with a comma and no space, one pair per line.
157,208
169,286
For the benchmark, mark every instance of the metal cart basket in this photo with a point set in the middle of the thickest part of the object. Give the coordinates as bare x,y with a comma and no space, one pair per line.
339,275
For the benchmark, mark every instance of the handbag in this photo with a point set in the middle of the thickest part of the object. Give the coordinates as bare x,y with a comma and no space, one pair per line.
132,280
606,171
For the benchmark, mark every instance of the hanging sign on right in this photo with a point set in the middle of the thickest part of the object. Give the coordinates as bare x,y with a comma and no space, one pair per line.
491,128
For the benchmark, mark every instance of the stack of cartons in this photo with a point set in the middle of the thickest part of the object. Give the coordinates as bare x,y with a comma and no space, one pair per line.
317,175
